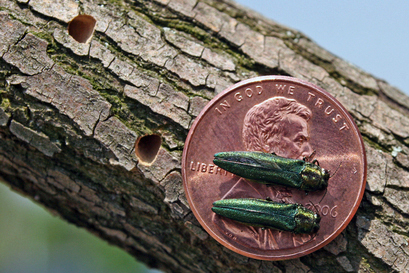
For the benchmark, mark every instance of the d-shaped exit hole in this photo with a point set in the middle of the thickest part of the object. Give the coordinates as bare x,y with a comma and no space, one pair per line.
147,148
82,27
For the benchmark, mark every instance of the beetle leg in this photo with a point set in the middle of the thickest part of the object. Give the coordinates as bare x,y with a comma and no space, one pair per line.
315,162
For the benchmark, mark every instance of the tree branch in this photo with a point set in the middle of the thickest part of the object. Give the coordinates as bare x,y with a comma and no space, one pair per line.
70,114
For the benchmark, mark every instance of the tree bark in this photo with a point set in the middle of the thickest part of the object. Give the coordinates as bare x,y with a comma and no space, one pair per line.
70,114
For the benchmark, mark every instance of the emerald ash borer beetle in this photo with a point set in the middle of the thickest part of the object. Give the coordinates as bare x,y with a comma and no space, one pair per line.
269,214
271,169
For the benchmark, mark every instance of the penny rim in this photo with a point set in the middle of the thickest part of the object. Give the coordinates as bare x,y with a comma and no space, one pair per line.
248,248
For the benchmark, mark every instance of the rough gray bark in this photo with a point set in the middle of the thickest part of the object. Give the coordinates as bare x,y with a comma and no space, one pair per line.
70,114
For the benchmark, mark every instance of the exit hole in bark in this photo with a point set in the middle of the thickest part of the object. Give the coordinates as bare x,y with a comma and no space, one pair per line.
147,147
82,27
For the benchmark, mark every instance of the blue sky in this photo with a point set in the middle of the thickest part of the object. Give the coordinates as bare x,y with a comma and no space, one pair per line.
373,35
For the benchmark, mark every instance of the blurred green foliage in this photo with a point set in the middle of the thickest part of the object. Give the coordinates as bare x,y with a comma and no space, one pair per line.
32,240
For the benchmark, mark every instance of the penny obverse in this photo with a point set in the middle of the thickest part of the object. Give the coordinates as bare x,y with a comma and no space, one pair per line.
291,118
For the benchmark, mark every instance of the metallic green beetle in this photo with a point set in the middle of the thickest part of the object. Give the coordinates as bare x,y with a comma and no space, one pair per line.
272,169
268,214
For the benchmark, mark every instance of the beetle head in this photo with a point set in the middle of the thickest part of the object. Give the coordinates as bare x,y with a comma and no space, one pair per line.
307,221
314,177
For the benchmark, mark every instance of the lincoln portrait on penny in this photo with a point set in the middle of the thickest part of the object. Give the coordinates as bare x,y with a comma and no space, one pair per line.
277,125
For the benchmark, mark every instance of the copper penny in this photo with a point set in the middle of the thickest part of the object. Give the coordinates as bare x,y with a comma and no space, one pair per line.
291,118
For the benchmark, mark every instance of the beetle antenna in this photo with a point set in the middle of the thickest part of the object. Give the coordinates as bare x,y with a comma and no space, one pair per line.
339,166
315,206
308,158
